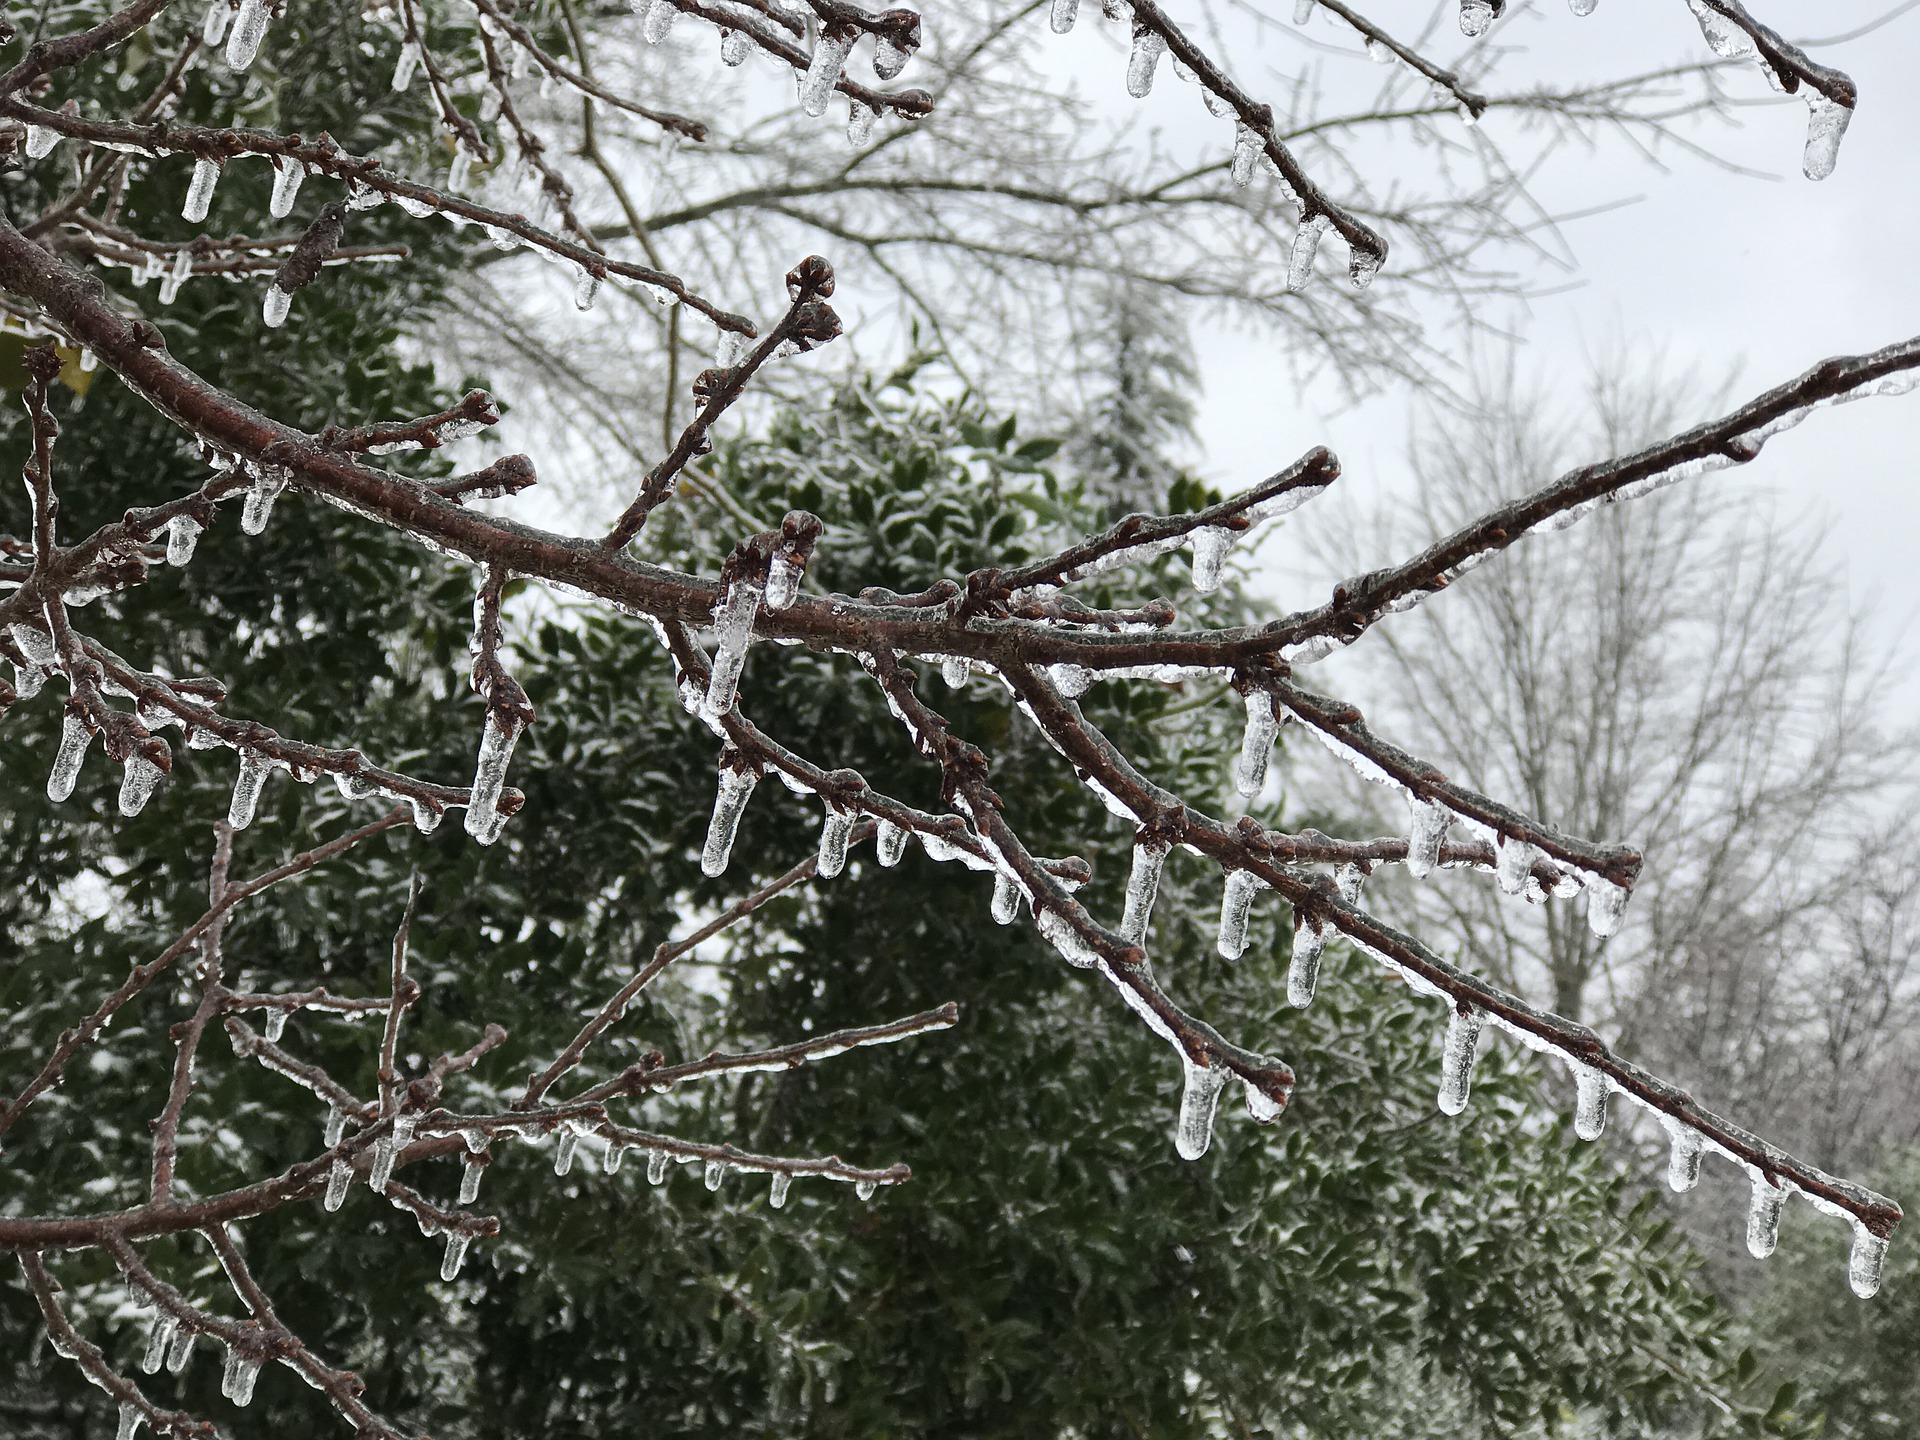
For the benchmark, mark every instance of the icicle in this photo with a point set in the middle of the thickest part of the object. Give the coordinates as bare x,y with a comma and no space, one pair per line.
287,175
1058,932
246,788
1262,1108
1235,902
729,802
658,20
657,1167
833,843
276,1026
214,28
182,1351
1827,122
1590,1102
1723,37
457,1242
129,1419
206,174
1247,147
1582,7
1148,47
1199,1099
249,29
783,583
183,531
1303,971
860,118
782,1182
1143,885
273,309
258,508
1256,744
1306,241
336,1128
1350,880
158,1341
716,1172
75,736
177,276
1456,1064
490,776
1062,14
459,167
889,844
733,632
1426,828
1475,17
339,1176
734,45
823,73
1210,545
1763,1217
386,1148
470,1181
137,783
1006,898
40,141
610,1161
563,1151
1683,1156
1867,1260
864,1189
1302,11
243,1372
1513,863
1378,53
403,67
1605,903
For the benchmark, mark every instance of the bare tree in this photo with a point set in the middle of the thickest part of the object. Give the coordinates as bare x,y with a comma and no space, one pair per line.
1016,625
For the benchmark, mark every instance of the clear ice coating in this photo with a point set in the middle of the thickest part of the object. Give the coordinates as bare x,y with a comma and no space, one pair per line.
611,1158
657,1167
1058,932
954,669
1303,971
457,1242
1247,146
240,1376
1513,862
137,783
1763,1217
40,141
729,803
782,1182
715,1173
249,29
1724,38
1210,545
182,1351
339,1176
1006,898
287,175
1143,884
1426,828
246,788
1256,745
183,532
159,1339
214,28
864,1189
1867,1260
732,633
129,1420
1475,17
470,1181
889,844
1456,1061
889,59
658,20
1236,903
734,45
1606,903
860,118
1827,122
490,777
257,509
1378,52
823,73
1060,15
834,831
274,308
1590,1102
1199,1098
563,1150
1306,243
1148,47
75,736
1684,1146
783,582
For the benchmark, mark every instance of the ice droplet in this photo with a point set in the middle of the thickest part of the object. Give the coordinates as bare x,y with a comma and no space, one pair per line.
734,45
733,632
457,1242
1199,1099
243,1372
1378,53
1302,11
889,59
563,1150
715,1173
1210,545
610,1160
1256,744
1262,1108
860,118
129,1419
1456,1063
1867,1260
336,1128
1306,243
1303,971
1006,899
889,844
1590,1102
1236,902
287,175
490,776
864,1189
137,783
782,1182
75,736
1513,863
1606,902
158,1340
1143,885
1426,827
1247,146
470,1181
954,669
1582,7
657,1167
1827,122
658,21
1763,1217
40,141
249,29
783,583
1475,17
183,532
182,1351
276,1026
1148,47
246,788
1684,1145
729,802
273,309
257,509
823,72
214,28
1061,15
834,831
339,1176
206,174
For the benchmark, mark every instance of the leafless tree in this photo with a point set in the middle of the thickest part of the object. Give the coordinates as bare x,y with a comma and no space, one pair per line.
1018,626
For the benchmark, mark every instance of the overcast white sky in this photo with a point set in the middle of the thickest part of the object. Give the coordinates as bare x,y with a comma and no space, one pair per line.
1770,274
